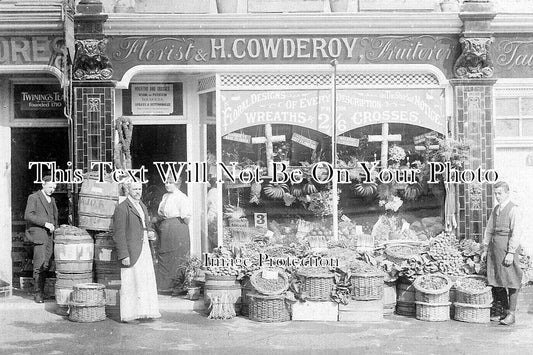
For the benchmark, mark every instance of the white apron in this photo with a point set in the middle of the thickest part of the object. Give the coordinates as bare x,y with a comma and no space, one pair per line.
138,291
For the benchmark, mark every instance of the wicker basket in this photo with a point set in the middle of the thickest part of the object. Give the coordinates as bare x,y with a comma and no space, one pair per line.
88,294
269,286
317,285
264,308
433,312
392,252
439,296
367,286
243,235
472,313
481,297
86,313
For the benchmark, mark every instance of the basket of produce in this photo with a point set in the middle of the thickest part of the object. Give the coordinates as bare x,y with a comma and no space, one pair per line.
86,313
473,289
88,293
398,253
432,312
238,222
245,235
472,313
265,308
270,281
316,284
432,288
367,282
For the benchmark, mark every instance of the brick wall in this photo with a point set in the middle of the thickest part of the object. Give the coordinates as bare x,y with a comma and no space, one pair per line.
474,110
93,129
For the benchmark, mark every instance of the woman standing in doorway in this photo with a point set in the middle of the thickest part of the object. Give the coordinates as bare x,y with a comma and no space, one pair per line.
174,242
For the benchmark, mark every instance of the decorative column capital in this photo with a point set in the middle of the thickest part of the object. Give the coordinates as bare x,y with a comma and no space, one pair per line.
91,61
474,61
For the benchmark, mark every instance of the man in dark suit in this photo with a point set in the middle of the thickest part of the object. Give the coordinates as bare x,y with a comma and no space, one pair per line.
41,221
131,232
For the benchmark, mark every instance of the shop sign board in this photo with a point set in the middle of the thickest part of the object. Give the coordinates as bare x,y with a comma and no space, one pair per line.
312,109
38,101
512,56
24,50
128,51
152,99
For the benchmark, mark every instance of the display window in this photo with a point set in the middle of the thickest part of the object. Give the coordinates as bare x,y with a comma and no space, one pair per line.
278,169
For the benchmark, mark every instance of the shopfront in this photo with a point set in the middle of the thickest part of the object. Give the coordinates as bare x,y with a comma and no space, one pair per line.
219,94
33,120
391,91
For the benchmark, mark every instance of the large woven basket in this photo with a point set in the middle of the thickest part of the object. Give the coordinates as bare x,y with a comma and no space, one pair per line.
316,285
472,313
367,286
267,286
86,313
265,308
464,295
440,296
433,312
88,294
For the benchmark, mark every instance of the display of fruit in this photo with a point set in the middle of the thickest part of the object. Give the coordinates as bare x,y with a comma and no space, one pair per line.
275,191
309,188
321,231
412,191
255,192
445,255
366,189
433,283
297,190
473,284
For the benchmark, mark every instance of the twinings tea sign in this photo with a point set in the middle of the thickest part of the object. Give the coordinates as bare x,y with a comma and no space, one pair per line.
38,101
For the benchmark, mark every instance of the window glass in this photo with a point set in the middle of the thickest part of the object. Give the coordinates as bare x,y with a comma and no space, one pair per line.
507,128
527,127
526,107
506,107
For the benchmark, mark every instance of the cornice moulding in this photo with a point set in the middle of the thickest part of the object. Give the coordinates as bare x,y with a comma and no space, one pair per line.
251,24
513,23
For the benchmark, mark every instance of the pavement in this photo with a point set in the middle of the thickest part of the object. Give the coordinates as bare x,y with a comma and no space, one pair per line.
30,328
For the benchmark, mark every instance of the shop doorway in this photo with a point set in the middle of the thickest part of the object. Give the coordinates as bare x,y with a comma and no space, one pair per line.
36,145
157,143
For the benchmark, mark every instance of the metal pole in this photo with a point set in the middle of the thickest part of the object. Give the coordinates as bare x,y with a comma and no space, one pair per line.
334,148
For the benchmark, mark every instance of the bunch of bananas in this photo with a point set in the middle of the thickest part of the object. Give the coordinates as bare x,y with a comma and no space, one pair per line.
275,191
366,189
412,191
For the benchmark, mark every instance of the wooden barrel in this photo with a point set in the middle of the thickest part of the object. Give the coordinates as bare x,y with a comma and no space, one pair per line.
105,254
247,289
107,267
65,283
405,303
217,285
389,297
96,203
73,250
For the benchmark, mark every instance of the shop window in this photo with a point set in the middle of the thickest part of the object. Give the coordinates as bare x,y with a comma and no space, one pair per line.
514,117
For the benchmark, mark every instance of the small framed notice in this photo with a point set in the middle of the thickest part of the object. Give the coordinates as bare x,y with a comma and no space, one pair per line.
260,220
152,99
